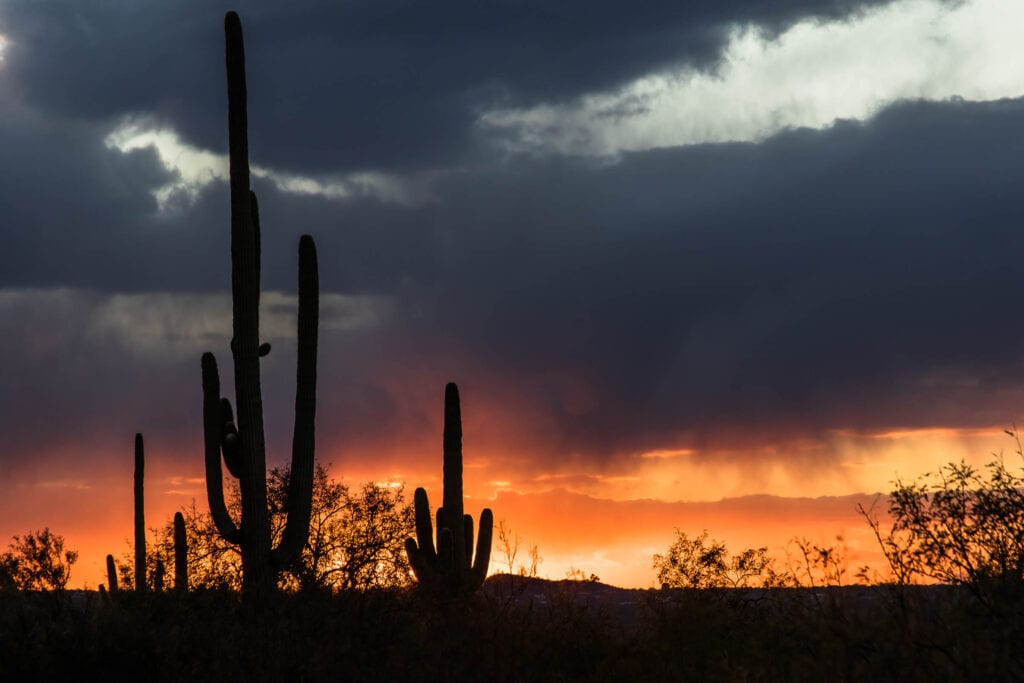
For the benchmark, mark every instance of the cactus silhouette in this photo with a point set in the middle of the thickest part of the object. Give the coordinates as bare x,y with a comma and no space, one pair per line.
140,518
158,575
241,442
447,569
180,553
111,574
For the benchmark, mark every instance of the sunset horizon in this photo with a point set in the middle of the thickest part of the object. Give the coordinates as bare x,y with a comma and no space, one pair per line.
573,519
737,269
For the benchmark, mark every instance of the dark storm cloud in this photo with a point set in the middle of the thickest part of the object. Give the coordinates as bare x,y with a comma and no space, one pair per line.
863,276
356,85
75,213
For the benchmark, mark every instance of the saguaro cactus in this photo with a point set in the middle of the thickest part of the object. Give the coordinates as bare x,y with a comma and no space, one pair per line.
140,518
180,553
242,442
111,574
447,569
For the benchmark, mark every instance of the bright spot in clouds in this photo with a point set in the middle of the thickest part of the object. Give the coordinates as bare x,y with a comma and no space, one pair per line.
195,168
180,323
809,76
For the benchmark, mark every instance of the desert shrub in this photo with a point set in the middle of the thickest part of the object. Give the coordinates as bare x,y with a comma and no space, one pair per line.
706,563
356,539
958,525
37,561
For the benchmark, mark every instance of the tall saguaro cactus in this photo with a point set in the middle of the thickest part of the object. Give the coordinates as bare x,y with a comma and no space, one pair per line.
140,517
242,442
447,569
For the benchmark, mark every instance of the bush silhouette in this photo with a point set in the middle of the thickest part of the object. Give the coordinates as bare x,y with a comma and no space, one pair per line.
959,525
356,539
705,563
37,561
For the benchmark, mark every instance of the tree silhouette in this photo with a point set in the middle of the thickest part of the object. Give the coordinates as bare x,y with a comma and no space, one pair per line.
705,563
356,539
37,561
959,525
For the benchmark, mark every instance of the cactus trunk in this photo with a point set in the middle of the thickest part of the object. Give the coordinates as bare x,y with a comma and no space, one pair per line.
446,568
140,518
241,442
180,553
111,574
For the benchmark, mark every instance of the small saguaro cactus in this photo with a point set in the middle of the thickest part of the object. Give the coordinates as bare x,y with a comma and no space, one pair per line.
158,575
241,442
447,569
111,574
180,553
140,518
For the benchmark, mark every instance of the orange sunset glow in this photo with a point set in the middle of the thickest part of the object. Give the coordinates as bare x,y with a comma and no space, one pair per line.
606,524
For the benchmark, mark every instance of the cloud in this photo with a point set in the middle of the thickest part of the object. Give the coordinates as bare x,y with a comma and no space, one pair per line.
88,368
810,75
710,297
720,298
855,277
359,87
192,169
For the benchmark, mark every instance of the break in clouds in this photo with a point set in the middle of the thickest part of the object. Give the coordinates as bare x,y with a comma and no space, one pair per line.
698,227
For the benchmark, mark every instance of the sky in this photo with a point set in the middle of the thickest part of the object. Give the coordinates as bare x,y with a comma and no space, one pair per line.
730,265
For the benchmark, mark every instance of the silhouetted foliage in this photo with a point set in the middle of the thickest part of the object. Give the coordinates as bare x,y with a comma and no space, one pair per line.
356,539
705,563
37,561
508,545
959,525
552,631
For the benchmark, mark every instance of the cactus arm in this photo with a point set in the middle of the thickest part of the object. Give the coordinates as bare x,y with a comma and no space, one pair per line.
229,439
467,533
254,210
140,516
180,553
300,485
422,556
424,525
416,560
212,430
483,547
